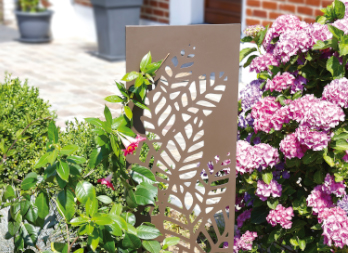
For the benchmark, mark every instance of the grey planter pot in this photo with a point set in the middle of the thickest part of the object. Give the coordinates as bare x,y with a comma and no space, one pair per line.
111,18
34,27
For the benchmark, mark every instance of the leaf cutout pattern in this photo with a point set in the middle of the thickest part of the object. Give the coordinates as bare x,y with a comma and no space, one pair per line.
179,104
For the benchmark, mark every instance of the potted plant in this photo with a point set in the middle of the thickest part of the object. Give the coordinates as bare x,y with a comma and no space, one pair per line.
33,19
111,17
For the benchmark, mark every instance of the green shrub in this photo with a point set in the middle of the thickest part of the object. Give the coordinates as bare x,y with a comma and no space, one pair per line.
20,105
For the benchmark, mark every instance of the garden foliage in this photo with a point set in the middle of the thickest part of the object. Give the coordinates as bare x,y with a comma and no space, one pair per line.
90,221
292,153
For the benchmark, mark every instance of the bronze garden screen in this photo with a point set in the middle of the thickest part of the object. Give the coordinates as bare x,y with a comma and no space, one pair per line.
193,126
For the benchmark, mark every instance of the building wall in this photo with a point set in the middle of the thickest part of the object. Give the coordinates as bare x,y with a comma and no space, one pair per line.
1,11
265,11
156,10
84,2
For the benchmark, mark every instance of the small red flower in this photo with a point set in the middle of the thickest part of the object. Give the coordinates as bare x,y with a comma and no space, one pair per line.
131,144
107,181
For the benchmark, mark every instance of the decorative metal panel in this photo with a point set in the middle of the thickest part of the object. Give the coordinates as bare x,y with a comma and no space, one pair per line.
193,121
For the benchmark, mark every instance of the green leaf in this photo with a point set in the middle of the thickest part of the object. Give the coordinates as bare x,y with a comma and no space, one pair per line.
145,194
129,218
117,122
13,226
272,204
139,81
102,219
147,232
29,181
320,45
104,199
339,9
140,105
57,246
93,240
267,177
32,214
152,67
125,130
9,193
76,159
63,170
120,221
108,116
128,112
42,161
145,61
170,241
247,39
53,156
114,229
43,204
109,243
337,33
91,207
114,99
343,45
84,191
341,145
25,204
131,241
318,177
52,132
250,59
322,20
142,174
66,204
338,177
261,37
78,221
116,209
245,52
152,246
29,234
258,215
69,149
79,250
95,122
302,244
95,158
130,76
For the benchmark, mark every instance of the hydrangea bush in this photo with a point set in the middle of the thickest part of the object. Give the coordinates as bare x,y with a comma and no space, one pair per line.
292,151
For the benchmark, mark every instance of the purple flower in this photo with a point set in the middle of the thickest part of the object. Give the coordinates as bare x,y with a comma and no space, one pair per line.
343,203
266,190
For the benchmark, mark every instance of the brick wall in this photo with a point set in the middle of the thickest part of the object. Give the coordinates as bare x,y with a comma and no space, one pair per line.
1,11
265,11
156,10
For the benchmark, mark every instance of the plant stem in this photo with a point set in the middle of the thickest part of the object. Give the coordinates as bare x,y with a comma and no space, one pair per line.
25,129
73,244
163,62
68,236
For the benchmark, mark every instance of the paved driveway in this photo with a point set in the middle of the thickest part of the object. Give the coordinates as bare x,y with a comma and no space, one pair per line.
68,75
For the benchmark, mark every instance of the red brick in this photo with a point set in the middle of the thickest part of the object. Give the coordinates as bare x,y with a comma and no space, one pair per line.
266,22
326,3
313,2
164,5
158,13
318,13
147,10
163,21
287,7
274,15
305,10
309,20
146,2
249,12
252,22
270,5
259,13
153,3
254,3
152,18
296,1
166,14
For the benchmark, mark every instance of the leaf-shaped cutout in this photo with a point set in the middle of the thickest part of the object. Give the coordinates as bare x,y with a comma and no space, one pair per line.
160,105
179,138
220,88
184,101
169,71
193,110
175,61
188,175
207,112
172,148
164,115
179,84
188,131
192,166
193,90
174,200
188,200
174,95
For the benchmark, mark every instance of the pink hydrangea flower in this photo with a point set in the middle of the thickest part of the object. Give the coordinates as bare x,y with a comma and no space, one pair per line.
291,147
263,62
335,227
249,158
107,181
279,118
243,217
331,187
280,82
312,139
319,200
291,43
345,157
282,216
253,30
323,115
262,113
341,24
319,32
299,106
337,92
245,242
279,26
264,190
